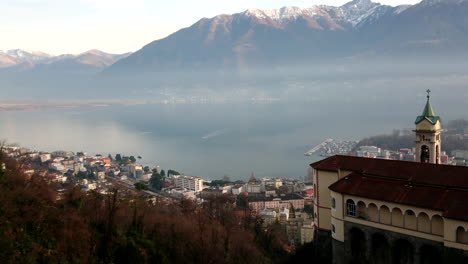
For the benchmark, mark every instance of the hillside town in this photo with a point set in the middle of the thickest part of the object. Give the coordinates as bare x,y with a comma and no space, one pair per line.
284,201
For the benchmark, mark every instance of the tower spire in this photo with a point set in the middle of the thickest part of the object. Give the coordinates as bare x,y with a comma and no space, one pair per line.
428,112
428,129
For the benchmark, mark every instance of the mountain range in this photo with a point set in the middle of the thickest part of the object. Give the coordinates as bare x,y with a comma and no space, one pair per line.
292,35
289,35
428,37
21,60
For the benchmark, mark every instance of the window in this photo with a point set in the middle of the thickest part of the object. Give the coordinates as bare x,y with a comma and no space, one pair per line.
425,155
333,229
350,208
333,202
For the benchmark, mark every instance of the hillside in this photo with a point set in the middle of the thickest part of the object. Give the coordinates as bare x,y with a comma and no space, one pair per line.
40,225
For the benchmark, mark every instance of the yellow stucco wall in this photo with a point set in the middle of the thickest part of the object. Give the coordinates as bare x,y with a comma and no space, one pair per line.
337,216
339,229
426,125
324,218
337,212
325,179
344,173
450,231
450,228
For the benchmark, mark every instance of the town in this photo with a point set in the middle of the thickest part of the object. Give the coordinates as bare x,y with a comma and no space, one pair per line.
287,201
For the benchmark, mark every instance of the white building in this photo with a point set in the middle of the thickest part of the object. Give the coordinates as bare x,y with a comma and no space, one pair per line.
253,187
237,189
188,182
307,233
182,193
45,157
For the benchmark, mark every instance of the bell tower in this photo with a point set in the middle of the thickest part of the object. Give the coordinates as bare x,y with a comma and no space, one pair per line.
428,129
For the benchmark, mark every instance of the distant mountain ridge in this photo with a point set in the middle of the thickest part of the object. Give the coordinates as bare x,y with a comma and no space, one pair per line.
22,60
303,35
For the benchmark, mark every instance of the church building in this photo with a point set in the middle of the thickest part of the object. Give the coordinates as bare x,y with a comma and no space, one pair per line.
388,211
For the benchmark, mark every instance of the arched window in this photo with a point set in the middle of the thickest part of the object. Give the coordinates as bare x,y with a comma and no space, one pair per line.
333,203
462,235
350,208
437,225
410,220
397,217
373,213
424,225
385,215
425,154
361,210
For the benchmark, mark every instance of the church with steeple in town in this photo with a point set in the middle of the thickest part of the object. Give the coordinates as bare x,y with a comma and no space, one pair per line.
391,211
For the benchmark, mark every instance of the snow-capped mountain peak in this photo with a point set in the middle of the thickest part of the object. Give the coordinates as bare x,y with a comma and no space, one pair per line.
366,4
28,55
353,12
285,13
356,11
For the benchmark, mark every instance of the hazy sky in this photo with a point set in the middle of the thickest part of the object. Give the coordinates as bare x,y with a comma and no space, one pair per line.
74,26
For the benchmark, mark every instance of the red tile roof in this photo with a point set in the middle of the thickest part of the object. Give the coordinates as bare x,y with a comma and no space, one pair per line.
414,172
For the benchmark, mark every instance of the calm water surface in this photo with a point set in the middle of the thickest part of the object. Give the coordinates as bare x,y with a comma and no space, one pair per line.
207,140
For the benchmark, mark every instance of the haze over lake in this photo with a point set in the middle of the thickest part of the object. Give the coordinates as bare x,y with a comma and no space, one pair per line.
213,140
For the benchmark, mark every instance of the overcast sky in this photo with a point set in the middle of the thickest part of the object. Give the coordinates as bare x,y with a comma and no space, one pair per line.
117,26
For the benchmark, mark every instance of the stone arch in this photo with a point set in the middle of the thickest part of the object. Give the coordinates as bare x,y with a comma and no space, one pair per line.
437,225
425,154
402,252
373,212
424,224
429,254
385,215
397,217
361,210
380,249
357,241
462,235
410,220
350,208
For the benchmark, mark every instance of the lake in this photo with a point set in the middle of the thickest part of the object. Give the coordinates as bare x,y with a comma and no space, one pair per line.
213,140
